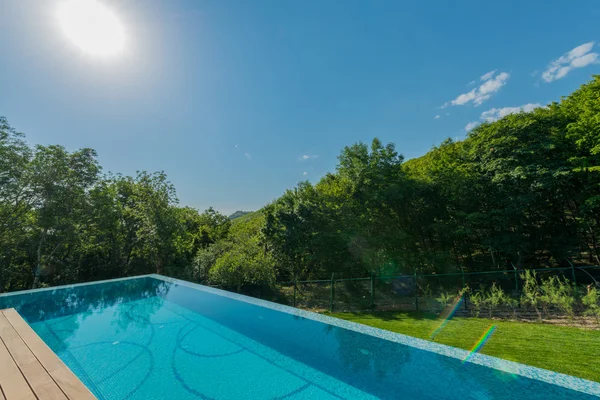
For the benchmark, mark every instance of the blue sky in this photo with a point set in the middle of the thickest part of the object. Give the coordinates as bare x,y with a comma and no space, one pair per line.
228,97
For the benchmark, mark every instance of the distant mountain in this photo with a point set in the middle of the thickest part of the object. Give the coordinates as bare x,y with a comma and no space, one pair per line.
238,214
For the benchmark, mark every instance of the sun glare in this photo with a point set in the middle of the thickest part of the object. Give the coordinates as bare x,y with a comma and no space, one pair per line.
92,27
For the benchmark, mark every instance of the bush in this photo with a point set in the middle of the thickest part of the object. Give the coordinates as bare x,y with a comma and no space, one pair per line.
512,303
531,292
477,301
493,298
431,303
244,264
592,303
446,298
558,293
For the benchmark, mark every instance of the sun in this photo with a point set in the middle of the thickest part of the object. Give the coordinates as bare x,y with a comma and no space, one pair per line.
92,27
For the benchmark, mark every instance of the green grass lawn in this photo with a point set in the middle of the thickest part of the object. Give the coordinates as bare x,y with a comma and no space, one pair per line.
572,351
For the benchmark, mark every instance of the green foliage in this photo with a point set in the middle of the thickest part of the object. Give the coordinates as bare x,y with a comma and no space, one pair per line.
62,222
558,293
494,298
511,303
477,300
523,190
446,298
238,214
244,259
531,294
592,303
553,292
302,233
431,301
490,299
206,258
246,263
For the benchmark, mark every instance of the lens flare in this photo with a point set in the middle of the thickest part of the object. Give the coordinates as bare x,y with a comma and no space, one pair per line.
447,314
482,340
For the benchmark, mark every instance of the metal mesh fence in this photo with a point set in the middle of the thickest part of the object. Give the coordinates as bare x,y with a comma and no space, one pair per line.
417,292
397,292
354,294
314,294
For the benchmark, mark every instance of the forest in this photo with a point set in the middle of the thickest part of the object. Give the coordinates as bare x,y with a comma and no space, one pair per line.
522,191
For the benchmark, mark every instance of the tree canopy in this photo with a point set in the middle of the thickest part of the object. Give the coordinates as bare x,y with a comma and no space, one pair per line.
523,190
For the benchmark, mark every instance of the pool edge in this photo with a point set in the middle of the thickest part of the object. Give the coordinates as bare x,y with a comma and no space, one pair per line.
50,288
527,371
554,378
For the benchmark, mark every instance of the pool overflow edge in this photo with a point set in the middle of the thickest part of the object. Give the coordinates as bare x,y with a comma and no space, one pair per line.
511,367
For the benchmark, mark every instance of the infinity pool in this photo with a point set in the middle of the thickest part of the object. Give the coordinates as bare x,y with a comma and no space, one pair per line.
158,338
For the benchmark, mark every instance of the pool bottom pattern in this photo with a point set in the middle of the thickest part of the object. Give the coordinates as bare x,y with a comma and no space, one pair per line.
127,352
154,337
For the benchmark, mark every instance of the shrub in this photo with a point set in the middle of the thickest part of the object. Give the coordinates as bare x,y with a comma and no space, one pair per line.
511,303
493,298
477,301
592,303
430,301
558,293
531,292
446,298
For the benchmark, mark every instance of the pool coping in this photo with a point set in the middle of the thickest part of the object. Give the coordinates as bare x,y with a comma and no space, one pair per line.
527,371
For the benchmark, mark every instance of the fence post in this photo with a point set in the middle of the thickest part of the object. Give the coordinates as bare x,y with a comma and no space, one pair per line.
465,299
517,285
573,273
416,293
372,290
295,284
332,293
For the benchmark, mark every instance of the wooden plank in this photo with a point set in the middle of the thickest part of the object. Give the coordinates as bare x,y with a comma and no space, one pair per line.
39,380
12,381
62,375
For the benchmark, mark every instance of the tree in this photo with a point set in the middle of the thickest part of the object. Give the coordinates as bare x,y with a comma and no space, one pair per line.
523,190
242,258
61,181
16,197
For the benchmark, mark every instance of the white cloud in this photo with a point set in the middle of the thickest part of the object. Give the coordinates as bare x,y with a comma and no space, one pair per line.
304,173
437,117
248,156
495,114
585,60
491,85
579,57
306,157
471,125
488,75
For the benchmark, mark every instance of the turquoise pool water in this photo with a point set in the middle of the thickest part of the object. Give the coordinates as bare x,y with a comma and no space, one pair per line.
151,338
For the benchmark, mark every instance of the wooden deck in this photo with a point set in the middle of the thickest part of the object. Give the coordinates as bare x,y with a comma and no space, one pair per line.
29,369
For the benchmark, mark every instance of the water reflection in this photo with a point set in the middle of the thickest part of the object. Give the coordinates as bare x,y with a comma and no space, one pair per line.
385,369
48,304
375,358
382,368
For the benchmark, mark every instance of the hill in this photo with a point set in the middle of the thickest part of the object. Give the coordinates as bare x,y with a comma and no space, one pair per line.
238,214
